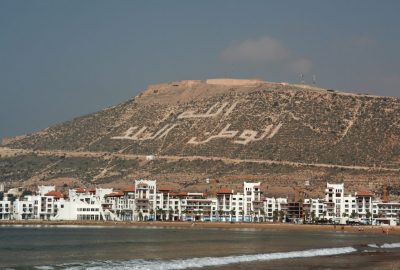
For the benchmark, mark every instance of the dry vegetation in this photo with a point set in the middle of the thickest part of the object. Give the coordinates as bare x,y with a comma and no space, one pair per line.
318,127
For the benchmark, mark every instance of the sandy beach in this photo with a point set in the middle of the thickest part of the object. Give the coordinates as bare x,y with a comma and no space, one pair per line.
218,225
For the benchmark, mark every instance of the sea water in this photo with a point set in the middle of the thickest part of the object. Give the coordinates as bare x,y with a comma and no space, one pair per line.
80,247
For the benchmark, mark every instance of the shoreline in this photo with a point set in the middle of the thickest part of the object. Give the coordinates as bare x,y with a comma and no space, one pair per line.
214,225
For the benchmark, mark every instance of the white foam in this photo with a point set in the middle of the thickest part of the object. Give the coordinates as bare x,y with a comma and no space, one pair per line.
208,261
391,245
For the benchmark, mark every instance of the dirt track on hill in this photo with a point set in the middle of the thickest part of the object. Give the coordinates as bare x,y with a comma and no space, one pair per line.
8,152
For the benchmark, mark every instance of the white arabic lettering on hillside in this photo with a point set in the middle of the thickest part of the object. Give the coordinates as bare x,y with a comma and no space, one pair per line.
247,136
142,135
209,113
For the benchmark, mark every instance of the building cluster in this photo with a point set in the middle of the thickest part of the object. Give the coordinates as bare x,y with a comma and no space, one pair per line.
144,202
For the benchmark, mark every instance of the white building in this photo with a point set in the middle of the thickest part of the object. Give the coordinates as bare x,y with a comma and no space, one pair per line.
252,193
273,207
85,205
5,210
387,213
334,196
315,209
42,206
23,210
145,200
364,206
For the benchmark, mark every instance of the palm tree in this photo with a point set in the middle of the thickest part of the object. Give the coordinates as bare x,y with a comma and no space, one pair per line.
242,214
158,211
368,215
151,212
220,213
281,215
313,216
163,214
262,212
184,212
138,213
233,212
251,213
275,215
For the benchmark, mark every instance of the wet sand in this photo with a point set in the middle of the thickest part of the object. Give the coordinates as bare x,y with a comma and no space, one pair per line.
217,225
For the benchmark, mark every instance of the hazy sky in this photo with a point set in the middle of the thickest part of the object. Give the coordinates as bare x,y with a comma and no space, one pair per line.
62,59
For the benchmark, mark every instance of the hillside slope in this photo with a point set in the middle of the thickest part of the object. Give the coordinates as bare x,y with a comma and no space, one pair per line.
222,128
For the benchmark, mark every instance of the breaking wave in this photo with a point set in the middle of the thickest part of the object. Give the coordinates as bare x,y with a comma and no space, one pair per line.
202,262
392,245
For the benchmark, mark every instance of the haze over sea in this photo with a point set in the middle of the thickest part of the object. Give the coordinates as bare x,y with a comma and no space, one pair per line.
93,247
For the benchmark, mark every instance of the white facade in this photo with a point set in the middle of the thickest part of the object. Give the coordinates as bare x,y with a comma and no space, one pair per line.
364,208
334,195
272,207
23,210
84,205
251,192
80,210
145,199
5,210
144,202
387,213
316,209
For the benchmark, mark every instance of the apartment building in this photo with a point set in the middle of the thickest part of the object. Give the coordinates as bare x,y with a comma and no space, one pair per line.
387,213
5,210
143,202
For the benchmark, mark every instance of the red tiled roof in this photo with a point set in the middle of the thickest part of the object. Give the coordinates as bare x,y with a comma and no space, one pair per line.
79,190
92,190
182,193
164,188
225,191
364,193
115,194
55,194
129,189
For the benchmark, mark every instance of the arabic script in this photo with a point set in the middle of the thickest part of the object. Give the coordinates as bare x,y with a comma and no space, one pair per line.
247,136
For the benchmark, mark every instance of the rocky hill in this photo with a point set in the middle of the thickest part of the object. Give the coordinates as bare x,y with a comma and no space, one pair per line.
228,130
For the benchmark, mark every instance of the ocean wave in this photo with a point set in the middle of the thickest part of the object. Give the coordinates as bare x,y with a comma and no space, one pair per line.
386,245
204,261
391,245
